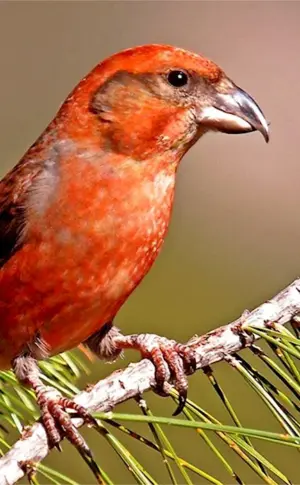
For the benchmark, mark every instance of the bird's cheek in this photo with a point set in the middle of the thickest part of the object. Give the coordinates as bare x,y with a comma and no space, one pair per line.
181,132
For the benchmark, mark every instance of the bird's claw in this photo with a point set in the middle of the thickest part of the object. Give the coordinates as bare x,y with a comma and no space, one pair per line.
57,420
172,361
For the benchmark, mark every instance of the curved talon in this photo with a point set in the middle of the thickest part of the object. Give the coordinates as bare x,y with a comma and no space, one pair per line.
182,400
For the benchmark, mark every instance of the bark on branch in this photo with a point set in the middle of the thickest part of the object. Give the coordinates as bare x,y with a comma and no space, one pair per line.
138,378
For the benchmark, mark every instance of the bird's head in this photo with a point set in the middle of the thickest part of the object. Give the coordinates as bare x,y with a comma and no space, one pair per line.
154,99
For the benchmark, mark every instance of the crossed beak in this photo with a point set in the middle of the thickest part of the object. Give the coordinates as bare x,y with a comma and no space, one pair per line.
234,112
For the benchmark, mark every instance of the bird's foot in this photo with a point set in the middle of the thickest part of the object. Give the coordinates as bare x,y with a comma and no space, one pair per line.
56,410
172,361
57,420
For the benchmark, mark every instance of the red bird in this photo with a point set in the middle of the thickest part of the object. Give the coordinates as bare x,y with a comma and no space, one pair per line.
84,213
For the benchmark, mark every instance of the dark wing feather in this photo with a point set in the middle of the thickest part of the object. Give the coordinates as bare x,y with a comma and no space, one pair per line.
13,193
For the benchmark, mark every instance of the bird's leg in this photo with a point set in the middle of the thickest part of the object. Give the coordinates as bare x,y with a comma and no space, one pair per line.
53,405
172,360
102,342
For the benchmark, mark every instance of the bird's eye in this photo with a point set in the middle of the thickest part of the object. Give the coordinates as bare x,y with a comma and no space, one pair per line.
178,79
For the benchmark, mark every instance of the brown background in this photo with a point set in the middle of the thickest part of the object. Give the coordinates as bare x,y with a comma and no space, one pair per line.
234,238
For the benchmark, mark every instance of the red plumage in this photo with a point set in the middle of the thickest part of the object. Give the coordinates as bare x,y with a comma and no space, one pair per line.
85,212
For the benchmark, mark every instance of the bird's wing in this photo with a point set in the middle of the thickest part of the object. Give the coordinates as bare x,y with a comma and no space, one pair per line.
14,188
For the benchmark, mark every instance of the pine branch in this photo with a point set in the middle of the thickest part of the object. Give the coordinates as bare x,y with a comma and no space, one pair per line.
125,384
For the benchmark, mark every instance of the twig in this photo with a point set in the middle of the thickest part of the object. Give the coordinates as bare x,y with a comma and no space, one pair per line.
138,378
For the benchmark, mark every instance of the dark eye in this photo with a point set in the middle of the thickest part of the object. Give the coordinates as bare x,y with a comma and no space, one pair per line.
178,79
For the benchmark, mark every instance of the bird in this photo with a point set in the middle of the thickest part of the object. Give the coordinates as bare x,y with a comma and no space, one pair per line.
84,214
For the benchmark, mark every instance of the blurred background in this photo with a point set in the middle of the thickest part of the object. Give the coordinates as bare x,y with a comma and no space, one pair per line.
234,237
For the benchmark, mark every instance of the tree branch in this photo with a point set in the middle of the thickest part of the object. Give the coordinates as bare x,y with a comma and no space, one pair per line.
138,378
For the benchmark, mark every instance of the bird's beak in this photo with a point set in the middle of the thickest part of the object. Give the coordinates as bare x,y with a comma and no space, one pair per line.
233,112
